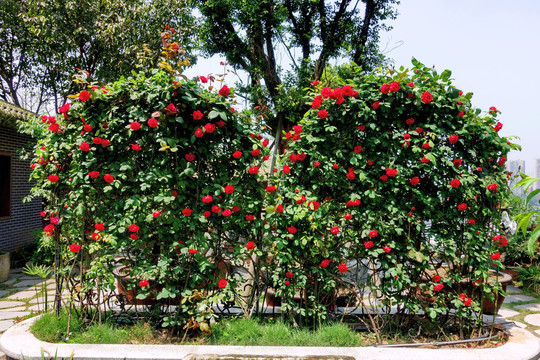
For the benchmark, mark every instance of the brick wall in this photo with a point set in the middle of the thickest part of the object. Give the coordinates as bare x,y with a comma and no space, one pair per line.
16,231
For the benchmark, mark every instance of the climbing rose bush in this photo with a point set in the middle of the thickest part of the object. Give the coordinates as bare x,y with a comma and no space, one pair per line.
407,178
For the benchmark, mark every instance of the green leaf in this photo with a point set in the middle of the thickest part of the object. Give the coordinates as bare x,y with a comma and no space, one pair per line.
532,241
213,114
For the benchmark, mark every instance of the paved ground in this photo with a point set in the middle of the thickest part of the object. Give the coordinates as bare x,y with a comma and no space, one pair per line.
21,295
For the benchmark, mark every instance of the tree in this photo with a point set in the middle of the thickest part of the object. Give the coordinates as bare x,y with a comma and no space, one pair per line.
44,42
249,32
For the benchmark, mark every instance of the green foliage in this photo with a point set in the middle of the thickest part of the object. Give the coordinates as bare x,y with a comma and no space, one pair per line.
530,276
528,218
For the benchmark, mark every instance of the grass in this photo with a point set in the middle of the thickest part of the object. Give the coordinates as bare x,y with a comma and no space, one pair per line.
52,329
252,332
237,331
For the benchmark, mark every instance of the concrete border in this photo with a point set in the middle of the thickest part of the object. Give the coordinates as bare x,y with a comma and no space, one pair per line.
18,341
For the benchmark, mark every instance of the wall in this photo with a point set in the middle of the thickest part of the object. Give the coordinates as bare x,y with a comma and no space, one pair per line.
16,231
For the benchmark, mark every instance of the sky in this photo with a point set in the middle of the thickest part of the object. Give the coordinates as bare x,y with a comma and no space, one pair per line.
492,48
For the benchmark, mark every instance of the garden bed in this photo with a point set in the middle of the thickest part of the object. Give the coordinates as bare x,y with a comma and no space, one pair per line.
18,342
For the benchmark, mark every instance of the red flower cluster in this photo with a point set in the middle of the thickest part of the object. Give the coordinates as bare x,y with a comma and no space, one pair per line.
427,97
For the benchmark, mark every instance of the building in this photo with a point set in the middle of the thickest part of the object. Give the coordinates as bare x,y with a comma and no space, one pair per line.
536,173
18,221
515,167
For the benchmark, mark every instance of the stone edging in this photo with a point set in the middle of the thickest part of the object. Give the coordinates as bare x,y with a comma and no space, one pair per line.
18,341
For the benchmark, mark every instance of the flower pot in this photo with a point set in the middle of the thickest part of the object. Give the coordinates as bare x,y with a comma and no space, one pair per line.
4,266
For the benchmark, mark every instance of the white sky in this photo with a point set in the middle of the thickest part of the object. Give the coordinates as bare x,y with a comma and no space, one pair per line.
491,46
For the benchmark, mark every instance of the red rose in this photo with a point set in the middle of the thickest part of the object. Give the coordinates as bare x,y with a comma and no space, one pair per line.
391,172
326,92
361,127
385,89
467,302
471,222
438,287
250,245
207,199
229,189
220,123
411,84
414,181
135,126
457,162
301,156
235,209
314,205
84,146
93,174
368,244
317,102
316,164
496,256
224,91
498,127
87,128
43,214
156,214
203,79
186,212
455,183
95,236
335,166
348,217
453,139
84,96
193,251
501,161
286,169
369,162
99,227
256,152
134,236
462,207
406,136
105,142
270,188
419,130
492,187
375,105
209,128
335,230
97,140
461,114
250,217
279,208
342,268
53,178
136,147
237,154
493,111
197,115
65,108
133,228
425,160
436,278
325,263
199,132
226,212
426,97
291,230
351,175
171,108
409,121
296,137
394,86
153,123
425,146
289,275
373,233
144,283
323,114
314,83
301,200
75,248
387,249
357,149
207,214
384,178
189,157
255,169
265,142
108,178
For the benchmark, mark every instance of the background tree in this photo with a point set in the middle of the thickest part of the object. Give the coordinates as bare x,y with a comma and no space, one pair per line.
249,33
44,42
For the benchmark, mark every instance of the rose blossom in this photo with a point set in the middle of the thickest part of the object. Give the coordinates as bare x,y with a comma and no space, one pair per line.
84,96
453,139
226,212
325,263
229,189
368,244
186,212
199,132
335,230
414,181
133,228
492,187
375,105
153,123
84,146
108,178
438,287
323,114
224,91
135,126
53,178
427,97
462,207
250,245
391,172
342,268
75,248
250,217
136,147
197,115
143,283
455,183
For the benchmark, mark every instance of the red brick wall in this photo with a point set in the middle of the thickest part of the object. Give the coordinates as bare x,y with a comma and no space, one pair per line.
16,231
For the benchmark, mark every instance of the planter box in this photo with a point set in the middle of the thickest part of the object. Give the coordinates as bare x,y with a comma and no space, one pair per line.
17,342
